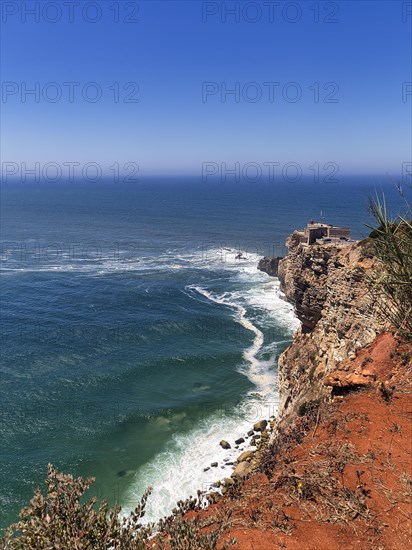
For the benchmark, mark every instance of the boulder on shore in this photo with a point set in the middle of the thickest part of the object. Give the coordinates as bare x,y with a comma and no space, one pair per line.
260,426
243,469
225,444
245,456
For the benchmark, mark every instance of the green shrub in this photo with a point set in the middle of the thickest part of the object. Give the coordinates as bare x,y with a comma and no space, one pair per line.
59,521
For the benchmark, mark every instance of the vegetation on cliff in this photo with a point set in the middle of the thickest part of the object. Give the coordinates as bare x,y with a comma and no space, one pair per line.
392,246
60,520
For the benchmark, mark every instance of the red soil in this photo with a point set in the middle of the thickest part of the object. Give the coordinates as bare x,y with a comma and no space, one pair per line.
347,483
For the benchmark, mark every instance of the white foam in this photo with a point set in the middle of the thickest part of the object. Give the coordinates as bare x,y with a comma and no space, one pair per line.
259,376
178,472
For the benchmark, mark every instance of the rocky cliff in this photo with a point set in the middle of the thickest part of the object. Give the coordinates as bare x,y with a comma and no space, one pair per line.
328,286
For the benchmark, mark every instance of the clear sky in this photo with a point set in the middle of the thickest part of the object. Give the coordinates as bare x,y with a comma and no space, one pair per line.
315,82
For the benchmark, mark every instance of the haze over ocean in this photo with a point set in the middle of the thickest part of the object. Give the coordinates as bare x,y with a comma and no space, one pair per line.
145,145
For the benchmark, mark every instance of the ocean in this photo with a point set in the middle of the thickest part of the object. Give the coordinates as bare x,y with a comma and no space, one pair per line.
134,338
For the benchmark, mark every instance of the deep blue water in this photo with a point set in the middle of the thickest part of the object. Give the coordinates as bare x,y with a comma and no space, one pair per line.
133,340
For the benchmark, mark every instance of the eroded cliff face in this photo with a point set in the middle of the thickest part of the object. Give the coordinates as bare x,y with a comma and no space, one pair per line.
328,286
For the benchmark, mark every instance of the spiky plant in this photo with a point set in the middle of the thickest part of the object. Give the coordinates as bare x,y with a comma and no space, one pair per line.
392,245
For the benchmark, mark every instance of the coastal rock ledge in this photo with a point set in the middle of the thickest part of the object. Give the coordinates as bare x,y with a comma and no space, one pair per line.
269,265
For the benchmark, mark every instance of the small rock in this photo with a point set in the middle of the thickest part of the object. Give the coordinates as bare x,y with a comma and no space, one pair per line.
239,441
206,469
225,444
228,481
214,464
260,426
250,433
226,459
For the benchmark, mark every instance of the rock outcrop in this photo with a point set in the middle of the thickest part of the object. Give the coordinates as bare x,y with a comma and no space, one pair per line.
269,264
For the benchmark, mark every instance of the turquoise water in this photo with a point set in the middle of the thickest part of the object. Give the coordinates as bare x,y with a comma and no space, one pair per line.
133,339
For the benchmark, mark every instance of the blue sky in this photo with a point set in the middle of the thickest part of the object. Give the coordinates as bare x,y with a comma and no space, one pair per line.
177,46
